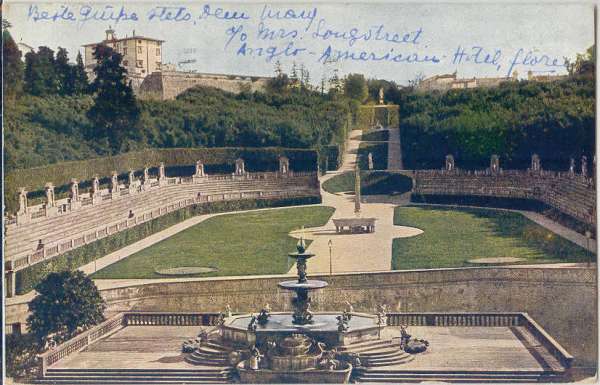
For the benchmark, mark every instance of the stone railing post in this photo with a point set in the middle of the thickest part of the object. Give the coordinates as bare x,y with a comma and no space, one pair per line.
284,165
49,194
584,166
95,185
494,164
162,180
131,181
114,183
572,167
146,175
75,203
23,215
22,201
240,167
449,162
51,208
536,165
199,173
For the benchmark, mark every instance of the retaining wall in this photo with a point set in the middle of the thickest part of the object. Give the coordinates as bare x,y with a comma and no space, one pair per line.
562,300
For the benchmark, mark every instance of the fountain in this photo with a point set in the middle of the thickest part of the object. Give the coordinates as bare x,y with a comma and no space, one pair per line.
302,314
297,347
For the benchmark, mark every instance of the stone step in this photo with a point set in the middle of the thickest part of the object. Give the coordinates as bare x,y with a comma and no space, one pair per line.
142,380
382,353
355,347
134,372
388,361
471,380
206,361
210,350
386,372
197,355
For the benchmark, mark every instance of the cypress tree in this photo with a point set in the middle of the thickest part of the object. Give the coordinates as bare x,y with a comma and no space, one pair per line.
115,112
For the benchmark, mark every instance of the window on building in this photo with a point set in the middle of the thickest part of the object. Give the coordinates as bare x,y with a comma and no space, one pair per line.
139,63
139,41
158,64
124,50
158,52
139,49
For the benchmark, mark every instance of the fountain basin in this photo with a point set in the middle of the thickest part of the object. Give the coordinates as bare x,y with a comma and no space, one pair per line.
361,327
308,285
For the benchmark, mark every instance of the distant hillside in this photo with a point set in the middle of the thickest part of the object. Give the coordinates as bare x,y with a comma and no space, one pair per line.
44,130
514,120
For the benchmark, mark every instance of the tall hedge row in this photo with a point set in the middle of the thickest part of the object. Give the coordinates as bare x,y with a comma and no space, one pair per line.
368,116
219,159
28,277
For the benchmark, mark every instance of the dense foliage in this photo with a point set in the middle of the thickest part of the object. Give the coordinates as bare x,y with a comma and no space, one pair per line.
515,120
12,67
66,301
115,111
40,131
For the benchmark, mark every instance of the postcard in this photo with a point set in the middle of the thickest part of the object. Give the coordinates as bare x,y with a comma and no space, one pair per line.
295,192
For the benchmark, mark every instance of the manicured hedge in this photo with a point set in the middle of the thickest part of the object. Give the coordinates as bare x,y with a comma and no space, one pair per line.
28,277
375,136
368,116
216,160
379,152
371,183
334,157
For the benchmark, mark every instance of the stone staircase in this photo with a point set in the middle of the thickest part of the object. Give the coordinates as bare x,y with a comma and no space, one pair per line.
382,363
136,376
376,353
209,354
394,375
23,239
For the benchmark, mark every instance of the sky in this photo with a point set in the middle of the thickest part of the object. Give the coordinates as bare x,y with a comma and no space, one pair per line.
393,41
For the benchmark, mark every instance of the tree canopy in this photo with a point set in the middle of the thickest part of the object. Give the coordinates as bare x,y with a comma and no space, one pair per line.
115,111
65,302
553,119
355,87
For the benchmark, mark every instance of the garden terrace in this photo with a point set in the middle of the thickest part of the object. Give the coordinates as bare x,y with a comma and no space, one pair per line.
513,347
571,193
64,225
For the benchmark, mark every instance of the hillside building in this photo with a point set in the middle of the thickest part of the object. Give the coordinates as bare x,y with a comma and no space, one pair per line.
141,55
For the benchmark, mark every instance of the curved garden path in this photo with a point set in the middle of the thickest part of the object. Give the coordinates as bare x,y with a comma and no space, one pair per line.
353,252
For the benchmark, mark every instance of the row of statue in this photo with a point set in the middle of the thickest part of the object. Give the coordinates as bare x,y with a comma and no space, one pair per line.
536,165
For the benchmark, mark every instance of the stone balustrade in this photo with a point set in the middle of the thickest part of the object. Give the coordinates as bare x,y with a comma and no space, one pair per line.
485,319
118,322
47,230
572,193
439,319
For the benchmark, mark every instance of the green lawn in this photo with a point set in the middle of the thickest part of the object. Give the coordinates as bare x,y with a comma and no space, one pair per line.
375,136
380,155
454,235
236,244
371,182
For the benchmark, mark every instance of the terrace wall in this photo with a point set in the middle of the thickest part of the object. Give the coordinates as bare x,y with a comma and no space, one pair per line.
561,300
67,224
572,194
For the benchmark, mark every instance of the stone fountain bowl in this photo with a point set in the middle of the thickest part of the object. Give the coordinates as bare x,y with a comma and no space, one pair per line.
324,328
306,376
